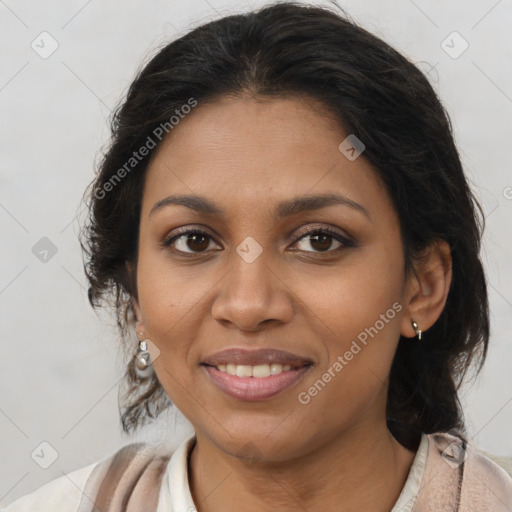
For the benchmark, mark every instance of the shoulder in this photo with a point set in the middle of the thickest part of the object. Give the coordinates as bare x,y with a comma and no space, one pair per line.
504,462
76,490
480,479
61,494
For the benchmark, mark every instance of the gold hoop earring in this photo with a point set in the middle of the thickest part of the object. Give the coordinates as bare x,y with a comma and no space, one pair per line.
415,327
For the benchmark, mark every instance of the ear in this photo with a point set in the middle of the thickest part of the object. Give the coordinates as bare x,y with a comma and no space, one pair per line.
427,288
139,325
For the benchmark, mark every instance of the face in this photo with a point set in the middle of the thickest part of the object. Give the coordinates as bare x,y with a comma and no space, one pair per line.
262,272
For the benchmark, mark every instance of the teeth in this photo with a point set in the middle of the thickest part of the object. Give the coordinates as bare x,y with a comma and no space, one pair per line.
258,371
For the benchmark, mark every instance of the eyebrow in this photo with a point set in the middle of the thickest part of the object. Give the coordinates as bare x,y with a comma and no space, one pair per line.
293,206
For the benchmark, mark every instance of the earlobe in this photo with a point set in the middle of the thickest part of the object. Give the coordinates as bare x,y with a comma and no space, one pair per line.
429,289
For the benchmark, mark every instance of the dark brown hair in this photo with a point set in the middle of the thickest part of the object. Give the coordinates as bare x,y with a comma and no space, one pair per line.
375,93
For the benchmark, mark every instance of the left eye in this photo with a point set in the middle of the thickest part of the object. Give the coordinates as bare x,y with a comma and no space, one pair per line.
322,239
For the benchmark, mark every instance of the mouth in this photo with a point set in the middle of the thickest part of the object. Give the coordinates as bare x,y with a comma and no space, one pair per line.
249,388
255,375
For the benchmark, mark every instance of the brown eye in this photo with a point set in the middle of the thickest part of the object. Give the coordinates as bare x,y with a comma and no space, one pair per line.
324,242
191,241
321,240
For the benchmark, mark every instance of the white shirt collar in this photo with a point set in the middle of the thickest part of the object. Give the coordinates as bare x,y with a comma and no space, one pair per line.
412,485
175,491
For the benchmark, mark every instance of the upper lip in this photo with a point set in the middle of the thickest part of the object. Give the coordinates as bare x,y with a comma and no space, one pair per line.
254,357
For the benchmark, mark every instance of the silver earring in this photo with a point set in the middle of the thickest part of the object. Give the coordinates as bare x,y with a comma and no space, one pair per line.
143,356
143,364
415,327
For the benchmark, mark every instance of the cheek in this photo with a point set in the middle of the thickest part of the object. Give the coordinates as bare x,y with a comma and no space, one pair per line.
359,318
354,296
167,291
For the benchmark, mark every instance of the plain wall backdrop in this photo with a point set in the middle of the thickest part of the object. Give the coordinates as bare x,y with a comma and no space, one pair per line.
65,65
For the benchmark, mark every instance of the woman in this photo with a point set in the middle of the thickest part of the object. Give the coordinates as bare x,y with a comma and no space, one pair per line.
283,221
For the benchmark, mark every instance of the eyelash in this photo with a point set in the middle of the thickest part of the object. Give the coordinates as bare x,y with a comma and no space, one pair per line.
345,241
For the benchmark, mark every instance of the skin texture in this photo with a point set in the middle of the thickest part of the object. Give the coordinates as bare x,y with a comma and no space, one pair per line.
301,294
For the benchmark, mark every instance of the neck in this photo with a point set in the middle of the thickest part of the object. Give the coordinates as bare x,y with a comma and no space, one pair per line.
364,468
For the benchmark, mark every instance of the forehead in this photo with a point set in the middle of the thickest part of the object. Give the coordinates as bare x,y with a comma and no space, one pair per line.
250,149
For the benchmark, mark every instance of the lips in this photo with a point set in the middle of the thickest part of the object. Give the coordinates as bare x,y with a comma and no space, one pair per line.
251,389
240,356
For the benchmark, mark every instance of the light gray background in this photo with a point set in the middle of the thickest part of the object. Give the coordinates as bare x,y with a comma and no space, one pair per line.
60,365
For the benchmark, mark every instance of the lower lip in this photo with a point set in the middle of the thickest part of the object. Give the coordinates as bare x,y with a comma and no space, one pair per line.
252,389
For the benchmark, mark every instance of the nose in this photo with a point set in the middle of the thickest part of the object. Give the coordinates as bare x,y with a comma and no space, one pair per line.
252,294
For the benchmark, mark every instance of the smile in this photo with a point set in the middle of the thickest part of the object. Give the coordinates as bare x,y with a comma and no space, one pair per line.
254,383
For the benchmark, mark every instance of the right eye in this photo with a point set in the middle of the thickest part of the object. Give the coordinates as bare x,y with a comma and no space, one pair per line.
189,241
